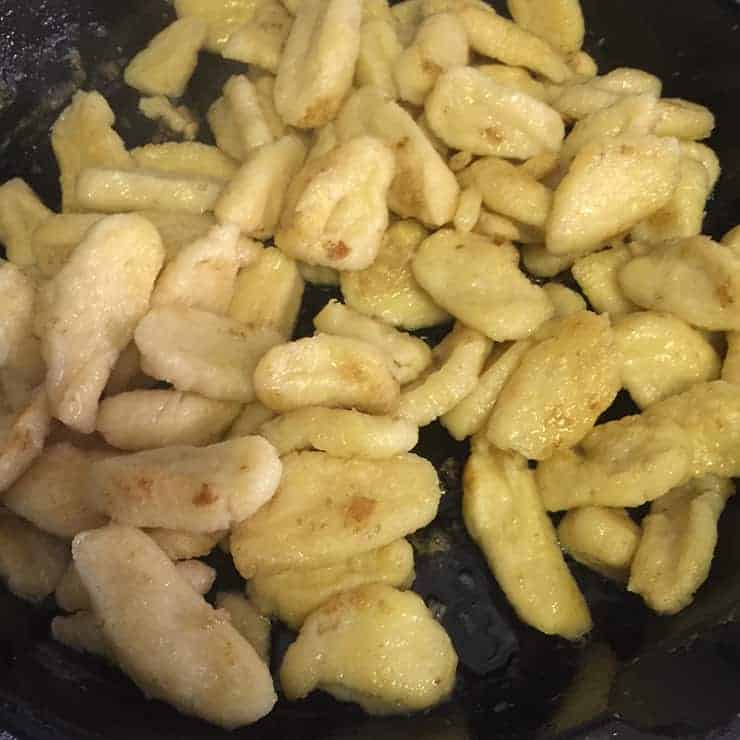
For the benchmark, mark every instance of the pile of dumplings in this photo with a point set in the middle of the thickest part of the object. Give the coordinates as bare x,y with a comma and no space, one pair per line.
440,164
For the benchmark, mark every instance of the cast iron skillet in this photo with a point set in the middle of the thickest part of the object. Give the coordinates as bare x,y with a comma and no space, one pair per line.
637,675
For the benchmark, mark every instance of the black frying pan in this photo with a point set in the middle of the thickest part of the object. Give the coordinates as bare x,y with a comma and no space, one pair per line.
637,676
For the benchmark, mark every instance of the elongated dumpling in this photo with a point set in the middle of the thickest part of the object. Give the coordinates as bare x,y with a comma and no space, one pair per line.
22,436
318,62
472,112
677,545
167,638
576,101
93,306
201,352
261,39
472,413
510,191
504,514
565,300
53,494
185,158
634,114
683,215
694,278
457,363
340,432
621,463
254,198
440,43
559,22
239,118
196,489
328,509
109,190
17,302
640,458
408,356
488,292
81,631
379,50
325,370
683,119
499,38
291,596
178,119
559,389
145,419
423,187
376,646
709,414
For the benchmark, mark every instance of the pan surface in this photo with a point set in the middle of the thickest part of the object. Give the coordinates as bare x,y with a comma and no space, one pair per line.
638,675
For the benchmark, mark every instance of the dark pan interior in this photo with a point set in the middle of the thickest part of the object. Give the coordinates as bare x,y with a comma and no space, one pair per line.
674,676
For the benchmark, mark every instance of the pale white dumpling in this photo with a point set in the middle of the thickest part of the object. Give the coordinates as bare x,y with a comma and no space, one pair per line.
318,62
93,306
168,639
196,489
202,352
